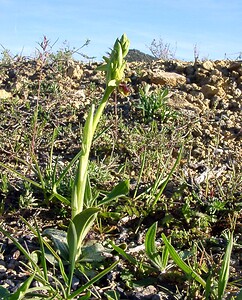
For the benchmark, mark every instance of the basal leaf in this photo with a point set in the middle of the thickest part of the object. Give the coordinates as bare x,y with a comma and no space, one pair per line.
121,189
59,238
151,249
82,222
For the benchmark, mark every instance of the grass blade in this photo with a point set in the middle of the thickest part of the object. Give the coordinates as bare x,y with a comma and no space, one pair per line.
140,172
43,260
22,290
181,264
22,249
224,272
92,281
18,174
164,183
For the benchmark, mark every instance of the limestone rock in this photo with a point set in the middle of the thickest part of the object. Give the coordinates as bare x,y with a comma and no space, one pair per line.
4,94
209,90
208,65
74,72
179,102
167,78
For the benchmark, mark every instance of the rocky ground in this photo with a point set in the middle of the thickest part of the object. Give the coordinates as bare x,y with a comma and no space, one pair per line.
206,94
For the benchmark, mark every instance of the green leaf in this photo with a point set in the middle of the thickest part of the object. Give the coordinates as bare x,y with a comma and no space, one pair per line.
4,293
63,199
82,222
72,240
59,238
102,67
239,296
181,264
112,295
92,281
121,189
89,195
224,272
93,253
125,255
130,258
79,186
150,247
22,290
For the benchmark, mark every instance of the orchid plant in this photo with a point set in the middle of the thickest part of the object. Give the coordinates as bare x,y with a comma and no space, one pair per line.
69,245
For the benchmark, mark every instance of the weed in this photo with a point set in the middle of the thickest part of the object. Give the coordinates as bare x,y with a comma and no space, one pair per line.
27,199
6,58
213,288
62,58
154,105
162,50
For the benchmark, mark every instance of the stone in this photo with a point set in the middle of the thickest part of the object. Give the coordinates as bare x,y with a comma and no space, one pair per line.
5,95
74,72
216,72
3,269
167,78
236,65
237,93
208,65
209,90
180,102
190,70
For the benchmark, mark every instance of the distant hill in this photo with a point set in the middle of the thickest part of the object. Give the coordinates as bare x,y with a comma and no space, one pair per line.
136,55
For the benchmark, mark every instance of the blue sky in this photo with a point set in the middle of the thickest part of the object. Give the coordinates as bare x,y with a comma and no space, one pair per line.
213,25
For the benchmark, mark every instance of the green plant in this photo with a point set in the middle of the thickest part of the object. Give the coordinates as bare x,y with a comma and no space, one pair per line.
159,261
154,105
52,286
27,199
6,56
69,245
213,288
154,191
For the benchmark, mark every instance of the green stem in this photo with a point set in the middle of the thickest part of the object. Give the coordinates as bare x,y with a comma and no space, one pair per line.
107,94
78,191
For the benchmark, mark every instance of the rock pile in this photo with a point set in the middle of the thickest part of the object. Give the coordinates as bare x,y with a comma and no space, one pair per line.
207,93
